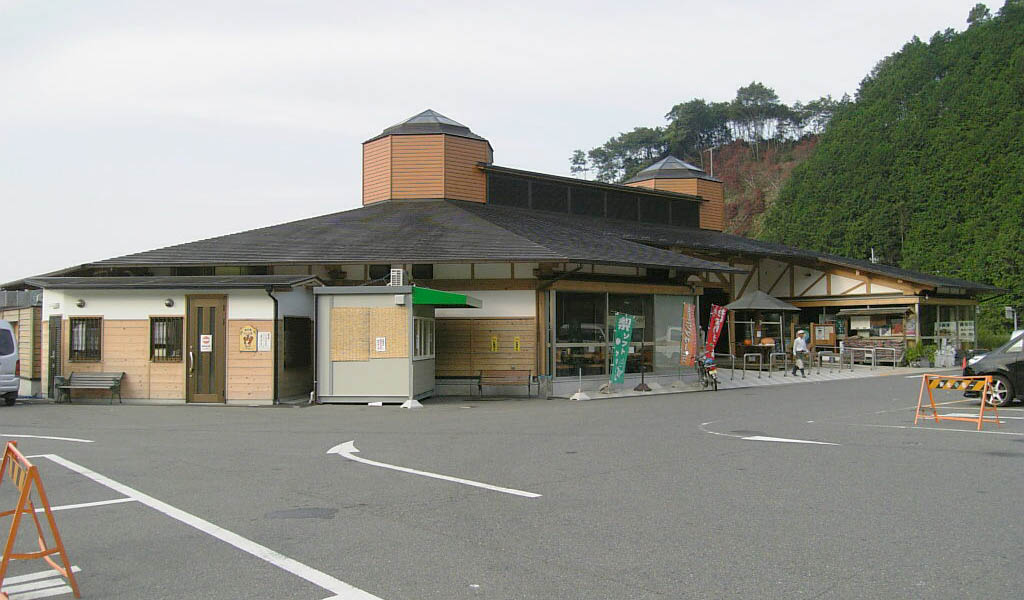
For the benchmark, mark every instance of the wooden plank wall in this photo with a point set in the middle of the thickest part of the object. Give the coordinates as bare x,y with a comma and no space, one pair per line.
377,171
417,166
26,325
463,180
250,374
464,345
126,348
712,212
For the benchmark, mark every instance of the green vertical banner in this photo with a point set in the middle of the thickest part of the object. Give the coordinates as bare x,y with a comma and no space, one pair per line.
620,346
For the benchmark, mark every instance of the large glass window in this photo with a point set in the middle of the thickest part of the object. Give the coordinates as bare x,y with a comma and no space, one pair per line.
641,350
584,324
581,343
668,332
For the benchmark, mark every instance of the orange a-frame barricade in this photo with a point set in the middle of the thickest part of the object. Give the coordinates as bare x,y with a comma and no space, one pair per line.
26,478
978,383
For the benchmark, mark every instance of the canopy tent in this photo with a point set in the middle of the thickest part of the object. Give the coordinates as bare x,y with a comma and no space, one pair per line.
758,300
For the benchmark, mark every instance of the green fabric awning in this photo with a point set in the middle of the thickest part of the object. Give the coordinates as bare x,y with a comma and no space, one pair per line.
421,295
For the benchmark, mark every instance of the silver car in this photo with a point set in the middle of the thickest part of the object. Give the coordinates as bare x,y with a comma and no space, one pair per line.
10,366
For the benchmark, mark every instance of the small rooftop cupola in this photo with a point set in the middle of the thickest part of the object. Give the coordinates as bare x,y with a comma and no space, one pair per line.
674,175
671,167
425,156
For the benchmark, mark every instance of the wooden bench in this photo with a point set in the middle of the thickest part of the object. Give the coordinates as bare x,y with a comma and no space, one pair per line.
89,381
506,377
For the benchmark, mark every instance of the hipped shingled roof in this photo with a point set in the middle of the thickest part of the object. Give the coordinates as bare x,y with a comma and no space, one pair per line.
419,231
426,231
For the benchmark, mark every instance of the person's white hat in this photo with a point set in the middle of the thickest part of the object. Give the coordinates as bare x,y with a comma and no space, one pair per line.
799,331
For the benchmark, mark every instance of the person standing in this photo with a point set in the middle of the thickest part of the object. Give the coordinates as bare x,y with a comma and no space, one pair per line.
800,352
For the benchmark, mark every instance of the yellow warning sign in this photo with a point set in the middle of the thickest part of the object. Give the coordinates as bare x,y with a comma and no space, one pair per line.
494,343
515,344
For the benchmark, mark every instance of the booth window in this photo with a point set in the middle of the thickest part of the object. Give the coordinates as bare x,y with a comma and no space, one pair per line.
165,339
298,337
86,339
423,342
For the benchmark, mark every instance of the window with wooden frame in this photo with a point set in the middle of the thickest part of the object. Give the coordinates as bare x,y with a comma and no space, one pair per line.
423,338
85,339
165,339
298,342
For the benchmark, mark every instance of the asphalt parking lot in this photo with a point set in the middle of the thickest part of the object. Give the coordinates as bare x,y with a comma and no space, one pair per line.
672,496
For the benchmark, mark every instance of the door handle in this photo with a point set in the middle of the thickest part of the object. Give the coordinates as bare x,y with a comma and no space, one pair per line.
191,364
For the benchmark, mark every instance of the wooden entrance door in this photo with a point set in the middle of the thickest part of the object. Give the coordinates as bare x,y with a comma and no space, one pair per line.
53,369
206,348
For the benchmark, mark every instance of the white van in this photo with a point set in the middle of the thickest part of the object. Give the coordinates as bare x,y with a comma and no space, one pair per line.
10,366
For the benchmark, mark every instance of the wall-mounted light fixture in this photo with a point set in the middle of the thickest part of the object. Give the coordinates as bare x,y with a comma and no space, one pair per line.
80,303
169,302
55,306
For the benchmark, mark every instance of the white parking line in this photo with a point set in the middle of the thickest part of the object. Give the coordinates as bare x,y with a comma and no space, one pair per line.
340,589
975,415
764,438
936,429
42,584
88,504
45,437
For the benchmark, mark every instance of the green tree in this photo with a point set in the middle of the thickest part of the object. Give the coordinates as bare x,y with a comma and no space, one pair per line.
578,163
926,165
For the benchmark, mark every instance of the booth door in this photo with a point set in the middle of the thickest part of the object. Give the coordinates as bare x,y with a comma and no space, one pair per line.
206,348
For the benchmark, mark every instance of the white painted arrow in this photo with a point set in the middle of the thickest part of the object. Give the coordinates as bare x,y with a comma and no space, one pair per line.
348,450
764,438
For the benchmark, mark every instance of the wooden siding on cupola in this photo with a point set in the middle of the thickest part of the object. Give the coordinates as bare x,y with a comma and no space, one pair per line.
404,167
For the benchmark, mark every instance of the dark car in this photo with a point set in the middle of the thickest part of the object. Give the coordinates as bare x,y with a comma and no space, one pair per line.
1006,366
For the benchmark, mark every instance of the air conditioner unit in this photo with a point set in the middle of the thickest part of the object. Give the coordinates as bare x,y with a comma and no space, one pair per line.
397,277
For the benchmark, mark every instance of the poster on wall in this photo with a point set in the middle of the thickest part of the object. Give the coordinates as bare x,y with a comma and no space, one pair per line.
718,314
688,343
621,346
247,339
263,341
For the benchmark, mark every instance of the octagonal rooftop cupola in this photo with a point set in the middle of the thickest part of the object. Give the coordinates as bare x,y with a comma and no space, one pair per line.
425,156
674,175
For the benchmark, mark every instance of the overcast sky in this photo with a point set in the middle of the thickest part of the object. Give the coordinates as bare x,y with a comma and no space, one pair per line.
127,126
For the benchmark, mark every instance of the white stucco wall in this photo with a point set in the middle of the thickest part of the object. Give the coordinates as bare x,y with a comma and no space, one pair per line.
506,303
296,303
142,304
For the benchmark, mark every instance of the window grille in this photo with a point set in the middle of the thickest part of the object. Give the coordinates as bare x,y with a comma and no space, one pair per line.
165,339
86,339
423,339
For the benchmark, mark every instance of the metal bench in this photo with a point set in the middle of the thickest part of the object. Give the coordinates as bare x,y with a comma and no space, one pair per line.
89,381
506,377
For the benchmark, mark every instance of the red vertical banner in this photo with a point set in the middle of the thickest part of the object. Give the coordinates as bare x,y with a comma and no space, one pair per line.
688,343
718,314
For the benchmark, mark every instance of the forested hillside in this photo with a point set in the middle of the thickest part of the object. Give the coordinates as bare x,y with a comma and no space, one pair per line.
927,164
752,143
